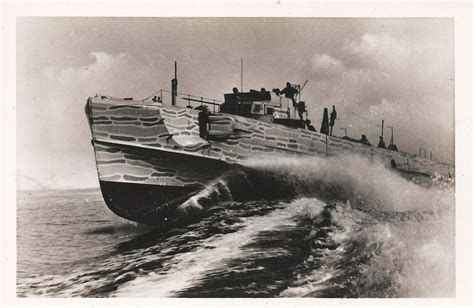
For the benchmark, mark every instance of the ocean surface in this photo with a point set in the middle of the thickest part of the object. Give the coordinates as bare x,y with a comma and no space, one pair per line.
352,229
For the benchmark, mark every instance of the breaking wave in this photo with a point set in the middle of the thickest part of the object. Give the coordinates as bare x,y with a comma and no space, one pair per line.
287,227
366,185
370,232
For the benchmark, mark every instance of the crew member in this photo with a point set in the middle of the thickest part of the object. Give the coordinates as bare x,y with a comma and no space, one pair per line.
238,100
364,140
290,92
332,118
203,119
309,126
301,107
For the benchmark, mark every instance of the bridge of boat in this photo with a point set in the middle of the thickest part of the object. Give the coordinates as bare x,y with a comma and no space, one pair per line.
265,106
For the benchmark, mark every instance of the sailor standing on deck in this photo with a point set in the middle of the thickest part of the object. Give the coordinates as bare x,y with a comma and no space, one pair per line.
235,91
290,92
203,119
332,118
301,107
237,98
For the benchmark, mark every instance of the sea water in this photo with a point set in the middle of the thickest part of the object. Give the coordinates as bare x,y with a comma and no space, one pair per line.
353,229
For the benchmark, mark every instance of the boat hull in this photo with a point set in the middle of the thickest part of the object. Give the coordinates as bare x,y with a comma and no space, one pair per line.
151,159
147,186
145,203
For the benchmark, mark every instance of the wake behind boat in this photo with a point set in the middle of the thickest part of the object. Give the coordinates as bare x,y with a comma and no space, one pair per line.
153,156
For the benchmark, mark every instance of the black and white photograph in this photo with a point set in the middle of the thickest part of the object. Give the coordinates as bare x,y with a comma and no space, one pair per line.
280,156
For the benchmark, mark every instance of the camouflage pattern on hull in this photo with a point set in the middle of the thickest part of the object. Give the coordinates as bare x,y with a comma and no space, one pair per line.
158,145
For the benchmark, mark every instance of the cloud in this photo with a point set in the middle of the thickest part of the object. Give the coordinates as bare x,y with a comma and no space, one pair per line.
51,112
382,76
385,110
380,51
326,66
121,74
363,66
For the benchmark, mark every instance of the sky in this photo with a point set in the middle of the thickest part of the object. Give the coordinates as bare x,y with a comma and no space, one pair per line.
397,69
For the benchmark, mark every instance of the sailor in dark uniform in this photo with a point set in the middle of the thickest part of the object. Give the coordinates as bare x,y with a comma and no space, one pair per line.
309,126
332,119
290,92
301,107
203,120
364,140
238,100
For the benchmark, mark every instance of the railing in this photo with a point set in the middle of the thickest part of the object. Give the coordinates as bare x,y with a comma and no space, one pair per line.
290,112
165,97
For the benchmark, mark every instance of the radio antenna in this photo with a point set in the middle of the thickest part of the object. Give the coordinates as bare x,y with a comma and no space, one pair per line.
241,74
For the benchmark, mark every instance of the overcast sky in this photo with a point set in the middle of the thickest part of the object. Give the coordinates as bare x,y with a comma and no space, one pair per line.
400,70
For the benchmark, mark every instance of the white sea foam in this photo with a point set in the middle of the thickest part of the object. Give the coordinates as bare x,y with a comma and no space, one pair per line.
386,236
213,193
415,253
370,182
186,269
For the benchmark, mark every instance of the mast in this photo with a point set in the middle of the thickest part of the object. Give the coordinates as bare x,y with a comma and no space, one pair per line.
382,129
174,85
391,138
241,74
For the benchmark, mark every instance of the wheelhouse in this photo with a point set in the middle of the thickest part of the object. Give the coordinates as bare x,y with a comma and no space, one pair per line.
262,105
